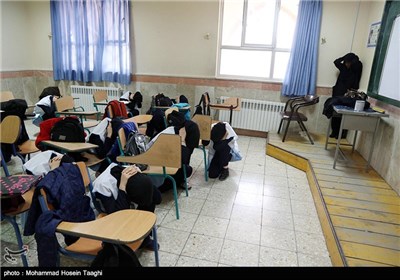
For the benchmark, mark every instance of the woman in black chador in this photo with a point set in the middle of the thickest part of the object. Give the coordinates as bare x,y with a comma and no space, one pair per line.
350,68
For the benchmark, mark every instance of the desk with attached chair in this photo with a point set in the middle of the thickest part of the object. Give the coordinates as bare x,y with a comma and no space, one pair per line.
72,147
127,227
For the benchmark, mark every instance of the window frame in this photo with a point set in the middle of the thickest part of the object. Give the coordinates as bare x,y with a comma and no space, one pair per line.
250,47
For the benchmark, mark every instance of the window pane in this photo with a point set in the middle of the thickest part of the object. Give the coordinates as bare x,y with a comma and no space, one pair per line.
245,63
232,23
286,23
260,22
280,65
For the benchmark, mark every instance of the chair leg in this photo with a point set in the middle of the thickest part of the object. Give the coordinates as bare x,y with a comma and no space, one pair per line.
185,179
301,127
327,134
305,129
175,194
155,246
286,130
13,222
4,164
230,117
21,157
205,163
280,126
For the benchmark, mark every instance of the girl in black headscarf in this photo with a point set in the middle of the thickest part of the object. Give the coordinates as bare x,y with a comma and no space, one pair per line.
350,68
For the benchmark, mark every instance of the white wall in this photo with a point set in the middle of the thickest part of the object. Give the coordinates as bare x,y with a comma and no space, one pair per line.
170,38
40,28
16,36
337,27
370,12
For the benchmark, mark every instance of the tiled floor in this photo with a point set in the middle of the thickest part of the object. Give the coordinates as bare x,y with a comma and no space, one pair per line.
262,215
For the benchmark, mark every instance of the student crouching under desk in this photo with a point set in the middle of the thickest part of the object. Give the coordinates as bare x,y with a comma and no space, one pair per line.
118,187
190,135
222,149
65,189
134,187
105,137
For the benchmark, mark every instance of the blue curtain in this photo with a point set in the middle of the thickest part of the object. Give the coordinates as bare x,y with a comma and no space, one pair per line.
301,74
91,40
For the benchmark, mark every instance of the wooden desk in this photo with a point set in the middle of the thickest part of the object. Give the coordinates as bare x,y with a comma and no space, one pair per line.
359,121
121,227
140,119
231,104
70,147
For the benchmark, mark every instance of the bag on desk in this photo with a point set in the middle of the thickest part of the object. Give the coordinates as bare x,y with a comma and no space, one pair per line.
68,130
13,187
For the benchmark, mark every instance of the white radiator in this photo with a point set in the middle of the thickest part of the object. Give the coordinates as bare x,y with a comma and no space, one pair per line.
85,96
256,115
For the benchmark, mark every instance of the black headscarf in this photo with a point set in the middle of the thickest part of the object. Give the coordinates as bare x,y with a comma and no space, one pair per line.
139,186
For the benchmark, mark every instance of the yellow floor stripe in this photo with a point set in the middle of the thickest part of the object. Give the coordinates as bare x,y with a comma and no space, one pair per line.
354,173
364,214
354,203
362,196
352,181
372,253
366,225
359,263
356,188
368,238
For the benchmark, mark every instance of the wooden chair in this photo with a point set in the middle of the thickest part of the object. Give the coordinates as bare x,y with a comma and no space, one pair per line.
204,123
11,217
140,120
231,104
163,157
291,113
6,96
100,97
66,106
10,128
128,227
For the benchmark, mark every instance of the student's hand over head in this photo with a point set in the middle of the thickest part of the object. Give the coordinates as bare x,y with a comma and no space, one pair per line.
109,130
55,162
182,134
126,174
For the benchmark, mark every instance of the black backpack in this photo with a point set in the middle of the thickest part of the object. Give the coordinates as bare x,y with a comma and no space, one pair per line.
162,100
68,130
112,255
202,108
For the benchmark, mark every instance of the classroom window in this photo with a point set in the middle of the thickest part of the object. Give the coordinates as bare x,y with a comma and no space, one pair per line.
91,40
256,38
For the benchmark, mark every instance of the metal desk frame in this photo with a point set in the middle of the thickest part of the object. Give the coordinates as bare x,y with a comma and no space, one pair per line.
359,121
